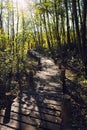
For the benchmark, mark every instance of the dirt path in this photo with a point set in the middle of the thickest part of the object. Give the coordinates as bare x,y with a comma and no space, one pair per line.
38,107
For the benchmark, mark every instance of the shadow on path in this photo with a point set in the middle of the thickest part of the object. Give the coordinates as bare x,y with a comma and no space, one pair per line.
38,106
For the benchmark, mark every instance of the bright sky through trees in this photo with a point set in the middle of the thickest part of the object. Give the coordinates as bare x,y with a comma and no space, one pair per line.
21,3
26,5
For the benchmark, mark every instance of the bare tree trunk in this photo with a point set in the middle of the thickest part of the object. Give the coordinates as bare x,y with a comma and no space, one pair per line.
57,22
8,23
63,29
49,28
1,22
77,25
44,19
38,31
13,48
68,26
41,34
17,27
23,33
17,47
79,9
84,47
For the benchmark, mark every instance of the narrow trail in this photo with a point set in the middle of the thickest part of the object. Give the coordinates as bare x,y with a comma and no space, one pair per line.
38,107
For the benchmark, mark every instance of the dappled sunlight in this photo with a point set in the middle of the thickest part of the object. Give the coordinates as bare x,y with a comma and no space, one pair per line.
38,106
53,84
43,65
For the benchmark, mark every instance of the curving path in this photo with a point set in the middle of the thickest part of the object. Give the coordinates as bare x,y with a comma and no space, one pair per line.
38,107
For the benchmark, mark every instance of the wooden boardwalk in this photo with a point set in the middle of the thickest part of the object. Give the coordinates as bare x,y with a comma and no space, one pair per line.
38,107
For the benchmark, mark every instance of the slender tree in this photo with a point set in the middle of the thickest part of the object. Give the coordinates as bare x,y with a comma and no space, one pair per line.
77,25
68,26
1,21
84,47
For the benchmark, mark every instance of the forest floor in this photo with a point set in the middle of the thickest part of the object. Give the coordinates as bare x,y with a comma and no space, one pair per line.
42,105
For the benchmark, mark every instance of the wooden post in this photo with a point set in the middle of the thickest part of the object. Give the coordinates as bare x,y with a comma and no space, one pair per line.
39,64
66,111
55,61
2,112
31,78
8,108
59,65
63,79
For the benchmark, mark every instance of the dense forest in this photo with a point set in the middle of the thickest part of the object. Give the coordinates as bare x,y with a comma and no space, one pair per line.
43,24
56,29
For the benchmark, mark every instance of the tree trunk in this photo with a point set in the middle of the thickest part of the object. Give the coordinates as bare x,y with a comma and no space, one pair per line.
44,19
1,22
77,25
51,40
84,46
57,22
68,26
8,23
